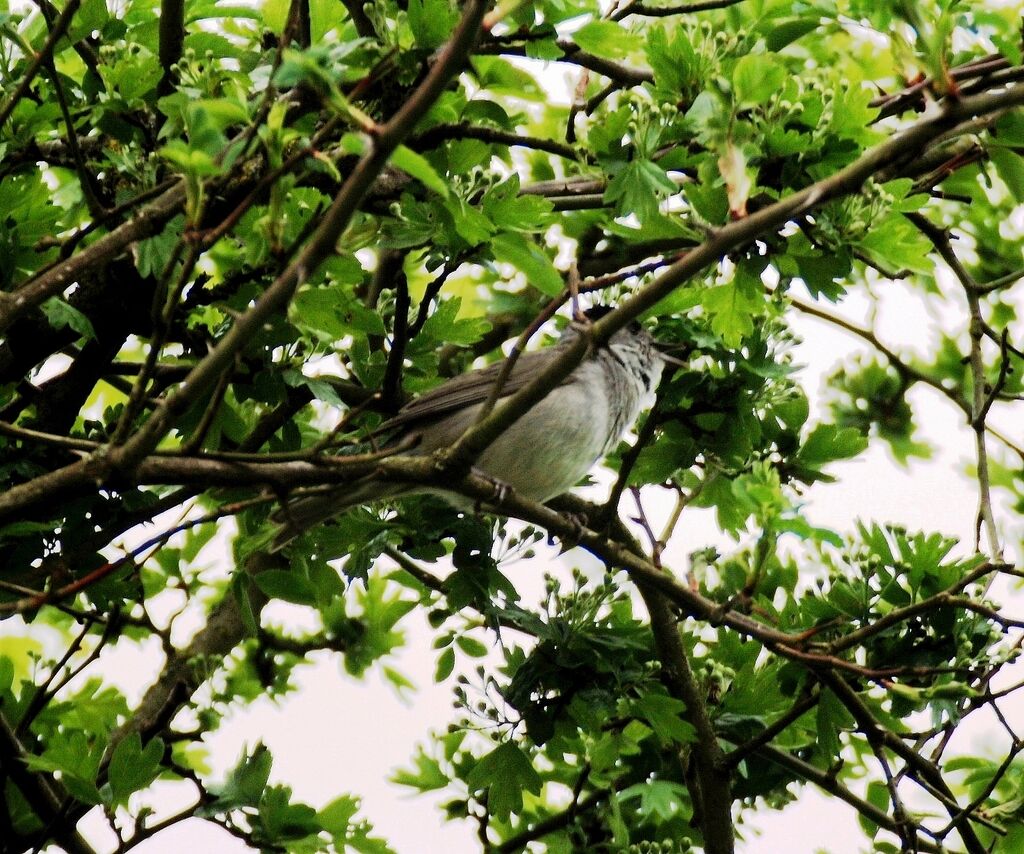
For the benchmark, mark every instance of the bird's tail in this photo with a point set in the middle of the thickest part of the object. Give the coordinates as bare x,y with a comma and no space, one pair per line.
303,513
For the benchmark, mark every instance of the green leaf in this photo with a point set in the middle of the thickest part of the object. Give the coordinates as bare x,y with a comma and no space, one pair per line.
1010,167
445,665
431,22
732,308
90,17
675,449
785,32
638,188
507,208
660,799
895,244
426,777
878,796
756,78
525,255
664,715
60,314
133,768
675,63
245,784
283,818
502,77
471,224
828,442
608,39
505,773
332,314
77,758
419,167
831,718
1009,129
288,586
444,324
337,816
471,646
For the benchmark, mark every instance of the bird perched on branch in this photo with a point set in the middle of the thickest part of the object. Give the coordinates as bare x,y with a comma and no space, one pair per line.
541,455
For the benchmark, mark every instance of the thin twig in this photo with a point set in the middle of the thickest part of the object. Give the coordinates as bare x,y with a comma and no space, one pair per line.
828,783
940,240
40,60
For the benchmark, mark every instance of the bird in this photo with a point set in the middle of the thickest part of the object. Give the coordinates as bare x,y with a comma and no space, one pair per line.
543,454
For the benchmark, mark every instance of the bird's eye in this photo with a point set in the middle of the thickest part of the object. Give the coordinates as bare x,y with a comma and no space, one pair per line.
635,326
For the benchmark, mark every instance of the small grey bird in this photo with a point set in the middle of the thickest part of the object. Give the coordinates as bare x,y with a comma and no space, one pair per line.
543,454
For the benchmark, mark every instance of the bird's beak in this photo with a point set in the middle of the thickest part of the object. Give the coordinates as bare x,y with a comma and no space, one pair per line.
668,351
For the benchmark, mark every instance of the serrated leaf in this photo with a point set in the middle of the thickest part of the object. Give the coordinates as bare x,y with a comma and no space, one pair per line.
427,775
445,325
661,799
245,784
638,188
505,772
897,245
60,314
732,312
664,715
756,78
133,767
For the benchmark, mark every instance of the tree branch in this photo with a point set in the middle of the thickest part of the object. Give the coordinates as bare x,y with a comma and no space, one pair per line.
979,385
639,8
923,770
55,279
828,783
172,39
712,774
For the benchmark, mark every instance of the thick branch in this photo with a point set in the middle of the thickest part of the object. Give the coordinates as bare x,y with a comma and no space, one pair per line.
172,38
712,775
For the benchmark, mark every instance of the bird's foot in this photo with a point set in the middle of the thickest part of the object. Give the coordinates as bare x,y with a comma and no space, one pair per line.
502,491
577,527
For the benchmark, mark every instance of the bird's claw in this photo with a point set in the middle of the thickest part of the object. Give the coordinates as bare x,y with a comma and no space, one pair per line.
502,491
578,526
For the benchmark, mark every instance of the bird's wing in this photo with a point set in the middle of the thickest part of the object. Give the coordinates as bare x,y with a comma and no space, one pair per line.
469,389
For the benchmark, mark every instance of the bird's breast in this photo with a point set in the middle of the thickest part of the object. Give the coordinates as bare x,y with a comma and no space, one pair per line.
555,444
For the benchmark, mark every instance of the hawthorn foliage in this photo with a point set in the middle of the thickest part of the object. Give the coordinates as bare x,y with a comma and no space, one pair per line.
234,239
